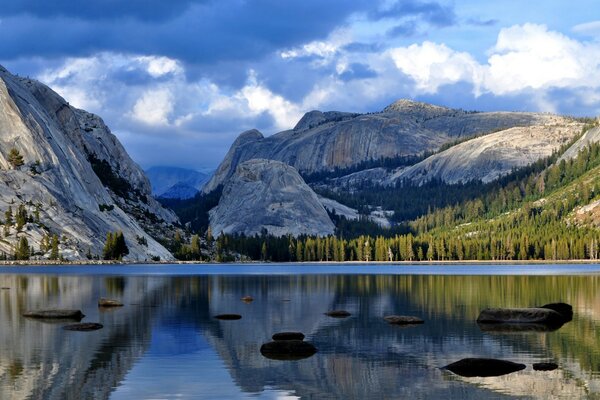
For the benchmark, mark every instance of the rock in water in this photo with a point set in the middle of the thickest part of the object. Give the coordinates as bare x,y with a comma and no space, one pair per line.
55,314
564,309
247,299
484,367
287,350
521,315
272,196
403,320
288,336
545,366
103,302
228,317
338,313
84,327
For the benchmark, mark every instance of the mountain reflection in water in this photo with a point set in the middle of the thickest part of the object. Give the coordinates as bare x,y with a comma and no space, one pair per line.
165,343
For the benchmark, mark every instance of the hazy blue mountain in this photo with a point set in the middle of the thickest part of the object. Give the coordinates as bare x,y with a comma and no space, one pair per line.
175,182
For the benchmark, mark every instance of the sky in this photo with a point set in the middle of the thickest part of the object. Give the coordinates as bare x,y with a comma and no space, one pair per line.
178,80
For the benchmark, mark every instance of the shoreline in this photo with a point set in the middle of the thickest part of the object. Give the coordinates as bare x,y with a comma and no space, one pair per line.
33,263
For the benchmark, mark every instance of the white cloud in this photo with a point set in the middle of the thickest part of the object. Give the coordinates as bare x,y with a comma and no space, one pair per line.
589,28
154,107
159,66
525,57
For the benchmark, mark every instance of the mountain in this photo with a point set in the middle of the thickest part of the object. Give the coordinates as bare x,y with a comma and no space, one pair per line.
76,180
174,182
324,141
266,195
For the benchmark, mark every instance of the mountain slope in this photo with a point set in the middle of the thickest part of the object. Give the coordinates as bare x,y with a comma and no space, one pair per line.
325,141
76,176
174,182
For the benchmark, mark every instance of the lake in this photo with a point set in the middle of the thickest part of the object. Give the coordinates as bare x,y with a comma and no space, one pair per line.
165,342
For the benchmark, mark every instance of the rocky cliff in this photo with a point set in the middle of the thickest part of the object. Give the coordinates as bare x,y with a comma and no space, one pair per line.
272,196
488,157
324,141
76,180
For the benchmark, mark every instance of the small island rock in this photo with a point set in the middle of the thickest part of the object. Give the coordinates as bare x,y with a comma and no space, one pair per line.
403,320
289,350
247,299
545,366
84,327
103,302
55,314
483,367
338,313
228,317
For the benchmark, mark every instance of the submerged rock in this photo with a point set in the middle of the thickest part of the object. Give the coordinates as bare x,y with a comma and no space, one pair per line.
545,366
103,302
338,313
55,314
84,327
288,336
521,315
483,367
289,350
403,320
228,317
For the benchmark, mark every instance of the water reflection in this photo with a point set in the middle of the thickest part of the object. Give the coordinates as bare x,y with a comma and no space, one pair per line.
165,341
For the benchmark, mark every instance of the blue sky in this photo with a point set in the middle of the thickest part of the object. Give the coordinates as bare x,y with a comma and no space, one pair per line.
178,80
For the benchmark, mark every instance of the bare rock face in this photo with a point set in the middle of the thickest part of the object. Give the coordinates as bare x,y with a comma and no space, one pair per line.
589,137
326,140
491,156
75,175
269,195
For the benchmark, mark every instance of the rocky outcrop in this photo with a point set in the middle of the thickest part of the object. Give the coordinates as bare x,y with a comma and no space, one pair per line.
589,137
75,176
324,141
269,195
491,156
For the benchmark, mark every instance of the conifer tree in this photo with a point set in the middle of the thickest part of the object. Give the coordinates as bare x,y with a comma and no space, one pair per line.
15,158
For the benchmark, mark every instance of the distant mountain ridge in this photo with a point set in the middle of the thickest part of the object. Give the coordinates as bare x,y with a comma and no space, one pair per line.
174,182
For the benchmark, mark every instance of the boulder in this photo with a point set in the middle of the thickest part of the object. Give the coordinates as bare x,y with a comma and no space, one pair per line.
228,317
483,367
564,309
287,350
103,302
83,327
403,320
548,366
288,336
57,314
338,313
536,315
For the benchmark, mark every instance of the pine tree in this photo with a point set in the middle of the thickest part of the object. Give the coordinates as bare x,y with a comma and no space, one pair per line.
15,158
22,249
54,253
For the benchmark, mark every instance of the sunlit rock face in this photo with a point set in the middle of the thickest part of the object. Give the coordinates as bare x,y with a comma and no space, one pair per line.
269,195
326,140
76,201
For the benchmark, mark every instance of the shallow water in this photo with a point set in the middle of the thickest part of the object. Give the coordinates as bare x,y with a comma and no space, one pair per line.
164,343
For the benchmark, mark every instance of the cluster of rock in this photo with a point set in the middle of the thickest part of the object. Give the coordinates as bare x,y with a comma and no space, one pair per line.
538,319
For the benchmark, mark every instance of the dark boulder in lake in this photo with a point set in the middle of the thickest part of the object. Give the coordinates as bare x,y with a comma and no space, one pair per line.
83,327
338,313
564,309
228,317
403,320
55,314
521,315
545,366
483,367
103,302
288,336
287,350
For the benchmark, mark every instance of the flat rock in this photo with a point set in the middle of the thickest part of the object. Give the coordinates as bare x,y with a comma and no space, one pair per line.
288,336
521,315
483,367
545,366
84,327
338,313
55,314
403,320
287,350
228,317
103,302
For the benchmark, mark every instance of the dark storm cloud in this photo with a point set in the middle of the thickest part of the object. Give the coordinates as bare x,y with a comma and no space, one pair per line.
191,31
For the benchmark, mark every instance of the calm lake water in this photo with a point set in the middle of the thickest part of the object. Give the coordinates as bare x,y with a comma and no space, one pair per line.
166,344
